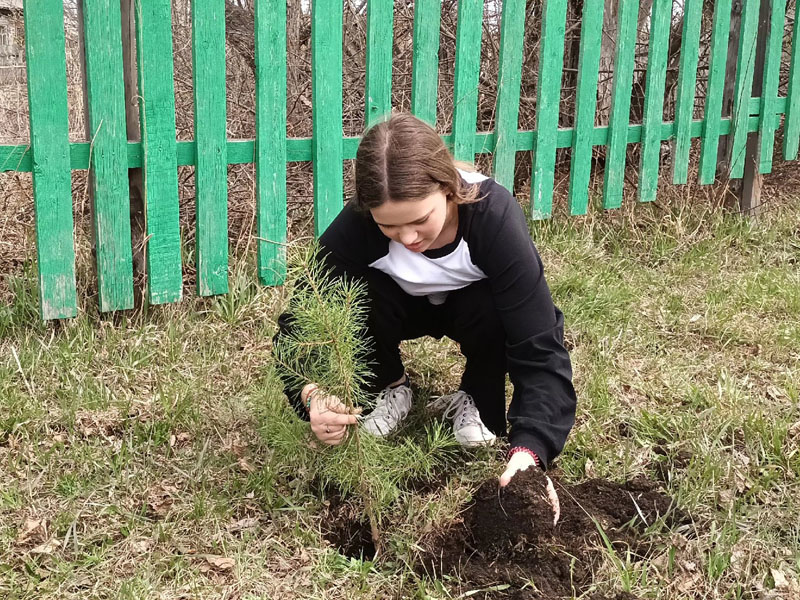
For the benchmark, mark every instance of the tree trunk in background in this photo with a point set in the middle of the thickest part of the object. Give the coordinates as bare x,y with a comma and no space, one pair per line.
608,50
239,24
294,27
609,46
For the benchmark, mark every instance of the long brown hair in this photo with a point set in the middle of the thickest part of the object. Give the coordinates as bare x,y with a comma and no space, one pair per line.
403,158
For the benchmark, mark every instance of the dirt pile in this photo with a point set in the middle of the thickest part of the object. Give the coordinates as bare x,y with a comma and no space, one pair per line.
507,538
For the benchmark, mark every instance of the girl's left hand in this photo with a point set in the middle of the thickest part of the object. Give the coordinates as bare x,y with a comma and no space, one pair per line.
518,462
521,461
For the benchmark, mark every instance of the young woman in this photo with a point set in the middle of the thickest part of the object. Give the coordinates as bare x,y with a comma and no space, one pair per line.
447,252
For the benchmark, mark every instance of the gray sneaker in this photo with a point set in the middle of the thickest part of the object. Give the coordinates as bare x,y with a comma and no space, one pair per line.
468,428
391,407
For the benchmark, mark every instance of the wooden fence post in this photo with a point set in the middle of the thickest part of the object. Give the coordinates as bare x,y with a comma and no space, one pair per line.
727,93
749,193
135,180
743,194
85,107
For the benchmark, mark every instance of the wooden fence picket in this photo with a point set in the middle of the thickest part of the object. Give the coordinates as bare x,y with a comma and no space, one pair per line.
467,69
326,92
109,158
614,177
271,146
768,112
210,134
791,129
378,93
509,80
50,161
551,62
425,69
716,81
585,106
159,155
745,66
687,89
660,22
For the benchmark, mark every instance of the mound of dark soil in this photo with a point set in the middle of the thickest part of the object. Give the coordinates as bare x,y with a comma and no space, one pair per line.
507,537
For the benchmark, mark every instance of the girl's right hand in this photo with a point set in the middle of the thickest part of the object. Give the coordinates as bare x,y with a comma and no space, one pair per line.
329,416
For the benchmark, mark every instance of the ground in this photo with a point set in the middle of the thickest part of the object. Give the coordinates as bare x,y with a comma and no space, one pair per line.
134,464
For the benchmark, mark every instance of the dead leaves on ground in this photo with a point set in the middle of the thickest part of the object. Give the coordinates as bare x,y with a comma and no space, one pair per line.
179,440
214,562
160,499
33,530
107,424
244,524
35,537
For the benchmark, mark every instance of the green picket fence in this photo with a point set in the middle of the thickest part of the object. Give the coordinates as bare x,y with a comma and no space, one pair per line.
51,156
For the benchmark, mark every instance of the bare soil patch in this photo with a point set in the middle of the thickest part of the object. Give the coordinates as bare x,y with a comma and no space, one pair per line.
349,530
507,539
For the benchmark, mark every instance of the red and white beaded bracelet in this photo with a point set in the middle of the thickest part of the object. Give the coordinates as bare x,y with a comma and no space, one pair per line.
517,449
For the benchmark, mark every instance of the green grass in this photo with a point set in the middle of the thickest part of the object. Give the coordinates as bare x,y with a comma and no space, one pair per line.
136,443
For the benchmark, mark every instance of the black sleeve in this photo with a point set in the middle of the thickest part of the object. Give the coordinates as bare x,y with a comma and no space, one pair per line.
542,410
345,248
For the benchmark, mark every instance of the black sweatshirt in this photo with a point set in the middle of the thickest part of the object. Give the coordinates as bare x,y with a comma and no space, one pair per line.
492,242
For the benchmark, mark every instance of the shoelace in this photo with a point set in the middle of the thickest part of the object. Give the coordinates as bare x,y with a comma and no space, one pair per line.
461,408
386,405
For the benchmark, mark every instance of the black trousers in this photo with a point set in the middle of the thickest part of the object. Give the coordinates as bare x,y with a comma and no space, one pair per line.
467,316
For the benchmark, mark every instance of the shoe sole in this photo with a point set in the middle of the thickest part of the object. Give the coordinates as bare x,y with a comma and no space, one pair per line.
489,442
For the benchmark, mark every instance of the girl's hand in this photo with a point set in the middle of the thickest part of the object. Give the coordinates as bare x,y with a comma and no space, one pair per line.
328,415
521,461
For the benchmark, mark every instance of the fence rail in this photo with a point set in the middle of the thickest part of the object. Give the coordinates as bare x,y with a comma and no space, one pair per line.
110,155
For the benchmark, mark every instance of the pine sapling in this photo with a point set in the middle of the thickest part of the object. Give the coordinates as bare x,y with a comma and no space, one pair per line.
327,345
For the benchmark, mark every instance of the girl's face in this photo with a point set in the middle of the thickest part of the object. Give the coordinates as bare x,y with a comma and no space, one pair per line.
418,224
